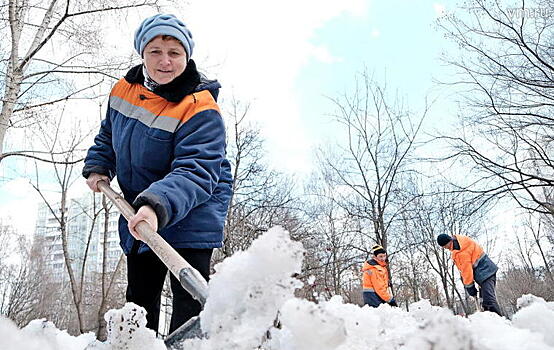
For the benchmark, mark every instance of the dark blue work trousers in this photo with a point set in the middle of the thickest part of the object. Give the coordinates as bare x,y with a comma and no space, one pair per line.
372,299
488,295
145,278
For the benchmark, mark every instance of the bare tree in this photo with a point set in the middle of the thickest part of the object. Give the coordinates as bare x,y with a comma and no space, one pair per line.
355,199
34,75
19,276
89,294
375,156
413,280
517,281
84,288
538,235
65,175
262,197
507,71
332,249
529,262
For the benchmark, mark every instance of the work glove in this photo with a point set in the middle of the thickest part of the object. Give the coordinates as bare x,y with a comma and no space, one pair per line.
392,302
472,290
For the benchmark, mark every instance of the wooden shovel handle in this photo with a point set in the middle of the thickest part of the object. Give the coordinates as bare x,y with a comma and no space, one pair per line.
190,278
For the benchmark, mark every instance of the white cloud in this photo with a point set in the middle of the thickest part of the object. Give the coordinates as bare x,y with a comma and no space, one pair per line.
375,33
18,205
440,9
261,47
322,54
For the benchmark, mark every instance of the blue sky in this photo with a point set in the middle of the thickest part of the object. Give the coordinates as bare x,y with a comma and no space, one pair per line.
285,57
395,41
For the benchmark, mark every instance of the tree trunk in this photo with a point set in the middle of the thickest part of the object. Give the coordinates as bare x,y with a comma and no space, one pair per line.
75,290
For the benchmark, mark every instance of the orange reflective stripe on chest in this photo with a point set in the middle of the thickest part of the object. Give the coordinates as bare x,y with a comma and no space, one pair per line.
139,97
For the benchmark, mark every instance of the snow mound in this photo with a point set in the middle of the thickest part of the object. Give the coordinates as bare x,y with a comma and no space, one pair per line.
40,335
127,330
536,315
247,291
251,305
437,328
529,299
306,325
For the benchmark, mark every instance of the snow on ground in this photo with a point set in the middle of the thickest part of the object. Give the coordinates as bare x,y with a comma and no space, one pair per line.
250,288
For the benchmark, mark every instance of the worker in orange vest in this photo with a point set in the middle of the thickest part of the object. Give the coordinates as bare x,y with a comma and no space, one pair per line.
376,279
475,267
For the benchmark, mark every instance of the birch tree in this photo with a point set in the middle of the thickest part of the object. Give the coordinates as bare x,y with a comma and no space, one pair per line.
52,53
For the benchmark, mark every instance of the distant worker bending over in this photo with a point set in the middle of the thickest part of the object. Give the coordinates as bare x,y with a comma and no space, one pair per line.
475,266
376,279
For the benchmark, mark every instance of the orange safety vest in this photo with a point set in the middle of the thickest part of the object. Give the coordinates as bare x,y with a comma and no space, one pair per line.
467,258
376,278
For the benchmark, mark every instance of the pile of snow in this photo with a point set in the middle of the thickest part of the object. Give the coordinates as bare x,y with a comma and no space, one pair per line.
126,330
39,335
251,288
247,291
537,315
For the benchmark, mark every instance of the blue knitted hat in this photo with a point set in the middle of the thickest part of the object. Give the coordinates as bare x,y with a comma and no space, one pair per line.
163,24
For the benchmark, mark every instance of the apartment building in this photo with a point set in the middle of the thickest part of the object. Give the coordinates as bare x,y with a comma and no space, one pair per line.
86,235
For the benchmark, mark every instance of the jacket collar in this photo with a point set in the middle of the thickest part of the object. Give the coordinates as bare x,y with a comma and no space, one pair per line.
455,244
185,84
375,262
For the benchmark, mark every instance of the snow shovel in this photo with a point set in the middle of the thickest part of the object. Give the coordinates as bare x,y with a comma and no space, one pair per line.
190,278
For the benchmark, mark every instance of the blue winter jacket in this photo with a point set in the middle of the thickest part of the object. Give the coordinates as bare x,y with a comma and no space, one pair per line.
167,149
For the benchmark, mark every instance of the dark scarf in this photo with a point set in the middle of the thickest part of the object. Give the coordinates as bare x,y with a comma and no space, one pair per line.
455,244
149,83
175,90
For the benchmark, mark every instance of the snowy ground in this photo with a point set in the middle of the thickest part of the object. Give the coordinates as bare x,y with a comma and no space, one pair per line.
250,288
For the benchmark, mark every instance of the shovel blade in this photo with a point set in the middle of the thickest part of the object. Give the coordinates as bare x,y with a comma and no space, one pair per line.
189,330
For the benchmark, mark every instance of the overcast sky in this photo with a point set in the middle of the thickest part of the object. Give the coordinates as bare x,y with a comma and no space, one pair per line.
286,57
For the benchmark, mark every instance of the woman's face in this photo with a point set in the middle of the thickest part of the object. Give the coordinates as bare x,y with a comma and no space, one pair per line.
165,59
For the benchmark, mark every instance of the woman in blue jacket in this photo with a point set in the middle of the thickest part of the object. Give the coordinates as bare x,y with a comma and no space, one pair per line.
164,139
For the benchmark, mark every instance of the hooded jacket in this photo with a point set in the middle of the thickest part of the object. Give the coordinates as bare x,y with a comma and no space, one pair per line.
474,264
167,149
376,279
